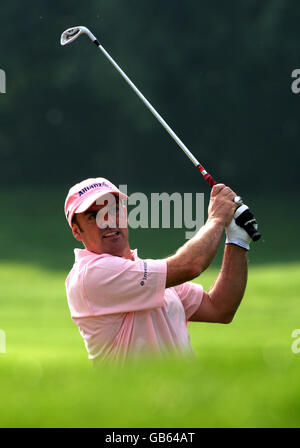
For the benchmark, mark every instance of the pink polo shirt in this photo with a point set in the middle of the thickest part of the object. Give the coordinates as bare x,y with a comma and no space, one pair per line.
123,308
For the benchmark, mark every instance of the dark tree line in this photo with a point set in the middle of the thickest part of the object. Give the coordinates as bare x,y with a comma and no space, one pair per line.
218,72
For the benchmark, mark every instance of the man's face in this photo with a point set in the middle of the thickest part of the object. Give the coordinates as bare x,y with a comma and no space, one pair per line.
102,229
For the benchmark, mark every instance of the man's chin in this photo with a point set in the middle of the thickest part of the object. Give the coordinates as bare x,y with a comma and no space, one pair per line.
116,246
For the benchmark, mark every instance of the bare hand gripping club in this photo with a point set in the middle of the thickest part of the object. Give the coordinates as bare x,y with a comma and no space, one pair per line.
246,219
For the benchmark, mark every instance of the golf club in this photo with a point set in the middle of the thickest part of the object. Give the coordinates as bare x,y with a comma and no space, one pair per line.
245,219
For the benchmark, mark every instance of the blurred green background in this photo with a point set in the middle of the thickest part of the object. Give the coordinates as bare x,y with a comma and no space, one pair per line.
220,74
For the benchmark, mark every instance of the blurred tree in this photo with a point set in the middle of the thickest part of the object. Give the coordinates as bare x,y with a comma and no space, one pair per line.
218,72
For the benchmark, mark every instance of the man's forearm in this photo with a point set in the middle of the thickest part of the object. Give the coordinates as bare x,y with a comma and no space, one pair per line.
196,254
228,290
202,248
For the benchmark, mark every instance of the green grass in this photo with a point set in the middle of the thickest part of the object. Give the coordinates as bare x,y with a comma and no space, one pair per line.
245,374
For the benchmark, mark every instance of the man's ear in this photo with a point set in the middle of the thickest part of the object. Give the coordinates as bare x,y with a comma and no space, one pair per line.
76,232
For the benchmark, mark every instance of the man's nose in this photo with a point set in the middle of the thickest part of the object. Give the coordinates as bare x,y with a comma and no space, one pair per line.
109,220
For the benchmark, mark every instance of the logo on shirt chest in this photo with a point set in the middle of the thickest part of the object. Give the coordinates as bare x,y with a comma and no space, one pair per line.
145,274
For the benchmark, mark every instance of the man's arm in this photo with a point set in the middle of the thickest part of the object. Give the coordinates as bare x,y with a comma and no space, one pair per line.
220,303
197,253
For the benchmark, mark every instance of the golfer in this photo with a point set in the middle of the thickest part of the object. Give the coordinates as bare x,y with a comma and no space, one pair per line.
125,306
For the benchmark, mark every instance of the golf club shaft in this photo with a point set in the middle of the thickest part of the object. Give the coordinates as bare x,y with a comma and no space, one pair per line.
209,179
249,224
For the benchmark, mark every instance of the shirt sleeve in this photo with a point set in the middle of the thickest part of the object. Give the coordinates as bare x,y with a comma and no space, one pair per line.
117,285
191,295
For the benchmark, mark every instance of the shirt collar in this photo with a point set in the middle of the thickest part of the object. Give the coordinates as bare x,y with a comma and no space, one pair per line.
82,253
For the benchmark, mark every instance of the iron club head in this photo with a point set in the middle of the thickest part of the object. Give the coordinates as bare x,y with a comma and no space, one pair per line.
71,34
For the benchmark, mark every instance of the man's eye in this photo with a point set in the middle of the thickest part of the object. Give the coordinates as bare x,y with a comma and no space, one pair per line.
93,215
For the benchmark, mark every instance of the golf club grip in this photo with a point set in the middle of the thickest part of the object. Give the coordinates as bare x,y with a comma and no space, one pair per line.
249,226
209,179
253,233
247,221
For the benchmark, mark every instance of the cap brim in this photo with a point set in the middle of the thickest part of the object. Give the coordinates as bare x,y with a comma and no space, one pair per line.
96,195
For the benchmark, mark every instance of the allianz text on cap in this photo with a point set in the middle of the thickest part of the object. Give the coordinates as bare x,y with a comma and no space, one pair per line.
82,195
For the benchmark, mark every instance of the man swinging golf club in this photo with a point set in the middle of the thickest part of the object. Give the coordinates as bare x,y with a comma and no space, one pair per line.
125,306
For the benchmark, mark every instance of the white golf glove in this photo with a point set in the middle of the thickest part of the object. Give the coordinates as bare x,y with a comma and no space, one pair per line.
235,234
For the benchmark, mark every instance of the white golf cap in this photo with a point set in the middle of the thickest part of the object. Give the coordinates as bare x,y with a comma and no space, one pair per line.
82,195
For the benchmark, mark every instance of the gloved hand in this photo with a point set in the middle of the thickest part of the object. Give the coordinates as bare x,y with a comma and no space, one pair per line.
235,234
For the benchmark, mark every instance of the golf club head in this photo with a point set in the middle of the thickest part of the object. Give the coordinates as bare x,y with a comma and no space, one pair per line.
71,34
